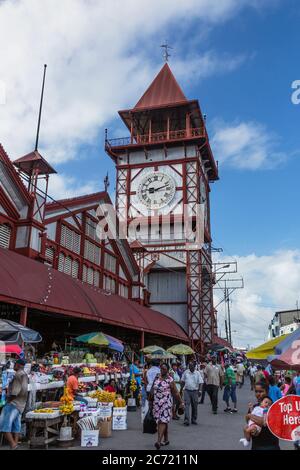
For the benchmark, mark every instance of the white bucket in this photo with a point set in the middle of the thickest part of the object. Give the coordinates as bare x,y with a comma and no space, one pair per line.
65,433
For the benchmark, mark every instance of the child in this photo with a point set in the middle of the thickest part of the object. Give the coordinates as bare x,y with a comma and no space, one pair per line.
252,428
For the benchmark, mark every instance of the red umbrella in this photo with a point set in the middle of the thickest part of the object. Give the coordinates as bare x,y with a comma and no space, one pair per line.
10,349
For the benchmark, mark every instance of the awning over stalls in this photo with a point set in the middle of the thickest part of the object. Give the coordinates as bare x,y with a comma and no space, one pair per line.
27,282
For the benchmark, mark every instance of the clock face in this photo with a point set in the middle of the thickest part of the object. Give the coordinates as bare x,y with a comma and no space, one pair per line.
156,190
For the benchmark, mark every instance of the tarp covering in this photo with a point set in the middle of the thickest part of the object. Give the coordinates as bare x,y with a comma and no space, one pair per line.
265,349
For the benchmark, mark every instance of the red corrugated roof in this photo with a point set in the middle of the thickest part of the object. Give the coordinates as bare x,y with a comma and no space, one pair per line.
34,160
28,282
163,90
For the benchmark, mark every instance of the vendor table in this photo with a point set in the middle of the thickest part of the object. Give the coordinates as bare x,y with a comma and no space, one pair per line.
43,431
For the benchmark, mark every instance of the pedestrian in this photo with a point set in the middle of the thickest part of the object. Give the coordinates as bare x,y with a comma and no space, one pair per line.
274,391
151,374
214,380
136,373
191,381
10,418
259,375
296,383
73,385
240,370
230,389
265,440
203,386
161,393
252,371
176,378
286,385
253,429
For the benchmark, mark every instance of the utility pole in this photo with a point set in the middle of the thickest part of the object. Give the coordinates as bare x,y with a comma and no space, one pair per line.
227,309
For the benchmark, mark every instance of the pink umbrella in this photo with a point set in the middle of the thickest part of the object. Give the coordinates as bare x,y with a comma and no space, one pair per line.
10,349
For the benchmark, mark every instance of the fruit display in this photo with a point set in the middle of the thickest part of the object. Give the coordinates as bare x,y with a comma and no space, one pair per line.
119,402
104,397
44,410
133,386
66,403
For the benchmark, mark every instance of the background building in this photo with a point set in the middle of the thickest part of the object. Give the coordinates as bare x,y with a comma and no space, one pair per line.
284,322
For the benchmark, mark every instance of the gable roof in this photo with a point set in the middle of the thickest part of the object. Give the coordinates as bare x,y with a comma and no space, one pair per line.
14,175
164,90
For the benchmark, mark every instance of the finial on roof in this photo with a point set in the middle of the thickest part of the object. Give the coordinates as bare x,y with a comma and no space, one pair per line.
166,54
106,182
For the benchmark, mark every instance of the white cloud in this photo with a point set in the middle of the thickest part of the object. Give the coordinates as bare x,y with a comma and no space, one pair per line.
100,58
63,186
246,145
272,283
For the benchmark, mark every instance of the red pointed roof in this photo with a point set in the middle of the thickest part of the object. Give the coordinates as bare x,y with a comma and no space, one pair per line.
164,90
34,160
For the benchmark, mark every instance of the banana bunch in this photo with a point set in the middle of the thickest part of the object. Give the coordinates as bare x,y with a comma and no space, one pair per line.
102,396
66,399
133,386
66,409
119,402
43,410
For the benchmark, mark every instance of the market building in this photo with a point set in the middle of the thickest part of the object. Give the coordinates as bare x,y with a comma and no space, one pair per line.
58,277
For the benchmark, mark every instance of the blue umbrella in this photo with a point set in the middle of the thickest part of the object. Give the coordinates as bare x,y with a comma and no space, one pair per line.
101,339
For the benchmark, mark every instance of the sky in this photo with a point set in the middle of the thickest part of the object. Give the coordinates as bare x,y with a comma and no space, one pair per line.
238,57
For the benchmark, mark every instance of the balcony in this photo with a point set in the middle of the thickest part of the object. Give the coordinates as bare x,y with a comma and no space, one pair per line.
156,137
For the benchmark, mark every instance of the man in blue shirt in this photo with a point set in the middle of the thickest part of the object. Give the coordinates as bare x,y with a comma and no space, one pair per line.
135,372
274,391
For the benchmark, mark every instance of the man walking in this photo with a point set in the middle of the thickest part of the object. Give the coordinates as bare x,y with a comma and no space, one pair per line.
214,380
252,371
191,381
10,419
230,389
240,370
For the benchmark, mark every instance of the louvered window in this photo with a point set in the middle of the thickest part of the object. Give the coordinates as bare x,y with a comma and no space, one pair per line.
5,234
123,291
49,254
68,265
109,284
90,228
92,252
70,239
91,276
110,263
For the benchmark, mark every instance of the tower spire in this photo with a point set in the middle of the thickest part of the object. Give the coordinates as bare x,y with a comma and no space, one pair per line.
40,111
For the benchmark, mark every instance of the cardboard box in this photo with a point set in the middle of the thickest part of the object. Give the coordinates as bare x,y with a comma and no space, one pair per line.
90,438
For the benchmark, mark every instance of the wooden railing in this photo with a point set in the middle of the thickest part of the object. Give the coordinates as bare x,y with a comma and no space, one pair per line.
157,137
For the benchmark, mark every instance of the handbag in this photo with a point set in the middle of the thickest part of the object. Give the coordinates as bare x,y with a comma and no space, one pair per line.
149,423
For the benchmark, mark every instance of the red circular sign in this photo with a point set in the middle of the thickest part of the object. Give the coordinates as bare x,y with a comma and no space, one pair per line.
283,418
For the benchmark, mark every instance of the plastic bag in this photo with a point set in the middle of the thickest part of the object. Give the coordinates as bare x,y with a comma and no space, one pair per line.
149,424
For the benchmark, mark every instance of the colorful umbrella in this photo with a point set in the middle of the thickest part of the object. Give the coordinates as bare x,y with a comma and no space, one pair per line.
161,355
181,349
101,339
11,332
265,349
10,349
287,352
152,349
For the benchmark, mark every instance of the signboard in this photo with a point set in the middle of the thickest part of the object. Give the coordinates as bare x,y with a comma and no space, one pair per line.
105,410
89,438
119,419
283,418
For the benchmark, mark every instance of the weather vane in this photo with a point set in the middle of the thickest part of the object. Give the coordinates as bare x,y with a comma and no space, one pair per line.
106,182
166,52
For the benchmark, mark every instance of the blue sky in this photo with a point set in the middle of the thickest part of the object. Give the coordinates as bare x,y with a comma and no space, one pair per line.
238,57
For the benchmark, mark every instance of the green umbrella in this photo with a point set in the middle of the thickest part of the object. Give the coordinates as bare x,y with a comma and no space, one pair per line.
180,349
93,338
161,355
152,349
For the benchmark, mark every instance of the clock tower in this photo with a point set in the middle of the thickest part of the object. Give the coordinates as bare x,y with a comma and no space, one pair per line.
164,171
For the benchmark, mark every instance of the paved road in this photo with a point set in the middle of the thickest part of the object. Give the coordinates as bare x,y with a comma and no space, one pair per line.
213,432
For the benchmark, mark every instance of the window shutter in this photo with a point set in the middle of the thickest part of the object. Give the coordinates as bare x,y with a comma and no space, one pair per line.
70,239
49,254
75,269
5,234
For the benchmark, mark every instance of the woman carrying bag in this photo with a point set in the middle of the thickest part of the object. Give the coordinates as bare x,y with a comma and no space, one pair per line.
160,397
